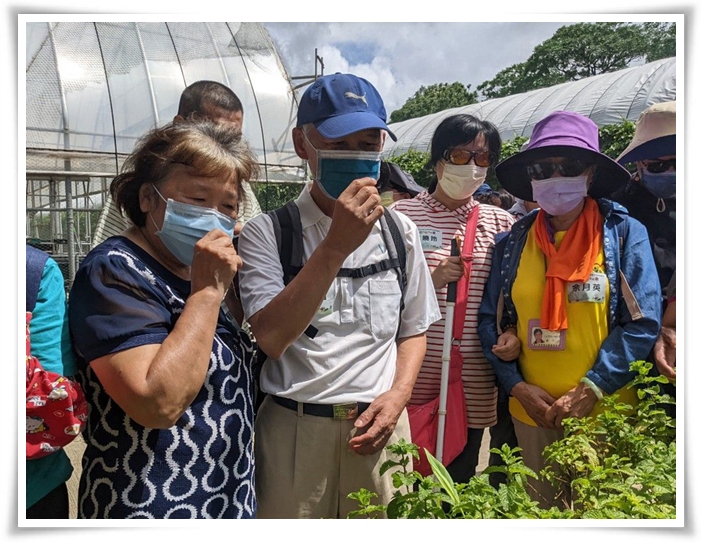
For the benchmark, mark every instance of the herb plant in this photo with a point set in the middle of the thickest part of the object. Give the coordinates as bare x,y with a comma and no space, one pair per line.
620,464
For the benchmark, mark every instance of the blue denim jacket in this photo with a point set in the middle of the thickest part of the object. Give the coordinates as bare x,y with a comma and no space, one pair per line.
630,338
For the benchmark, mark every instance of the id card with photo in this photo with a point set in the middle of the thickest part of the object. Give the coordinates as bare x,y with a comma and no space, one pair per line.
544,339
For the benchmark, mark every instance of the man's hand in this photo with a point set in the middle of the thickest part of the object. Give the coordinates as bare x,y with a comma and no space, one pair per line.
508,347
450,269
665,352
355,212
536,401
375,426
576,403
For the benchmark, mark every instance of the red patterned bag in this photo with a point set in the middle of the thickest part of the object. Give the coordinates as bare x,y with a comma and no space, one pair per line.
423,420
56,408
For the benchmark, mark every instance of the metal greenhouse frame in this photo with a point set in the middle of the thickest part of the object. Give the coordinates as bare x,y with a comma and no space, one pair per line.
93,88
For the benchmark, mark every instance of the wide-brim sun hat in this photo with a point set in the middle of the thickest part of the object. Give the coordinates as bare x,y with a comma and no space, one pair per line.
655,134
342,104
566,134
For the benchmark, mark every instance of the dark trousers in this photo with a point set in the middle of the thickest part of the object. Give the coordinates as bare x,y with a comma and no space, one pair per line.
53,506
502,433
464,465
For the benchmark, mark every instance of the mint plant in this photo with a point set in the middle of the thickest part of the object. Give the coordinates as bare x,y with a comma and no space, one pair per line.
620,464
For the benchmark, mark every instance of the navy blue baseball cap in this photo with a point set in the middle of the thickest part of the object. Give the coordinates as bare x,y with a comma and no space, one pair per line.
342,104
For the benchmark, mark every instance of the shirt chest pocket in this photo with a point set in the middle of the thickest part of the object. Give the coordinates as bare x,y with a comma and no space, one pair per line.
385,297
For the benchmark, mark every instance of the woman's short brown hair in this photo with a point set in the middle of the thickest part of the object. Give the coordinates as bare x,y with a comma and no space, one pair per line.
209,149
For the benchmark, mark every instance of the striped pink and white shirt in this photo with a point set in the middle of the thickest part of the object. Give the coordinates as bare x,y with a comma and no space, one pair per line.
437,225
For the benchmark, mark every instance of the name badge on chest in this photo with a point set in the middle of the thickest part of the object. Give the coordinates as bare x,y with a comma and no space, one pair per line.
591,291
431,239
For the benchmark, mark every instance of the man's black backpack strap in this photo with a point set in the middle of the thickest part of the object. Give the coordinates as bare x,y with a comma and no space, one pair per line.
396,248
36,261
287,225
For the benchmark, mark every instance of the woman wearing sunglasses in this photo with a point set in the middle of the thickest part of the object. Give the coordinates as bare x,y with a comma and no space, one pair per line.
577,269
651,197
463,148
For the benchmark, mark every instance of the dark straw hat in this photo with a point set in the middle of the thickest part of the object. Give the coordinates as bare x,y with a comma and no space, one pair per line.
568,134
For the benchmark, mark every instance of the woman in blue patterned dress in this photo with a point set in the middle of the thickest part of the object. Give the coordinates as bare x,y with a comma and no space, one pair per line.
165,368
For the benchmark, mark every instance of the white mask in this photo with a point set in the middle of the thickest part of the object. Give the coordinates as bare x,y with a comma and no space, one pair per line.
460,182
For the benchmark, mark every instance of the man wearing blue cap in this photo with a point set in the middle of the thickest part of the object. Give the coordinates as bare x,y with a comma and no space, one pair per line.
336,395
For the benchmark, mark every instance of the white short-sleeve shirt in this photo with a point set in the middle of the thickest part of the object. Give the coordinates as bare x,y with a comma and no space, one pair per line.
353,355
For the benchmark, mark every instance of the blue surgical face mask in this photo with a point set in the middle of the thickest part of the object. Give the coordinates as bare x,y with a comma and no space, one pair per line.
185,224
336,170
661,185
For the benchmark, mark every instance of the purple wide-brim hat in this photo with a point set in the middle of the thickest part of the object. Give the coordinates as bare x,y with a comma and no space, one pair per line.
568,134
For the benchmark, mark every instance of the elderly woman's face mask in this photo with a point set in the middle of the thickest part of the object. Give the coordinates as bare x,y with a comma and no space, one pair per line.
185,224
558,195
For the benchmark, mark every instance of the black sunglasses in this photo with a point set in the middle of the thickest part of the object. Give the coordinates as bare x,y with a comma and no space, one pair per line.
570,167
460,157
660,166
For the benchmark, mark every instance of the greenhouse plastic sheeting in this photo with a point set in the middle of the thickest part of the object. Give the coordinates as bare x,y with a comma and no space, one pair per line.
607,99
97,87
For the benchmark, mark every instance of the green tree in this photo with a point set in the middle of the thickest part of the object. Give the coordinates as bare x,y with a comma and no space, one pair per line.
661,40
511,80
582,50
434,98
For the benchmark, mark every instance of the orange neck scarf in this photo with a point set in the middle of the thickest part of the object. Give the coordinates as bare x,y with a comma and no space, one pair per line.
572,262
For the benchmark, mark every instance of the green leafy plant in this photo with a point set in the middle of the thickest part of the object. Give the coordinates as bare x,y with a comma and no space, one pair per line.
415,162
620,464
511,147
272,195
614,138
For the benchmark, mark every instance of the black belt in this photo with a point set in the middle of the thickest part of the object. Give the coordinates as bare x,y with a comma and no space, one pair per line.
343,411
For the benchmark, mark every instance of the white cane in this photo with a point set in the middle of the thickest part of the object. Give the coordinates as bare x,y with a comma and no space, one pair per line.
445,366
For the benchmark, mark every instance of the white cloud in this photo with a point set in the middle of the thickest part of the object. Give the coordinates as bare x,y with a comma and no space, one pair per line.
405,56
